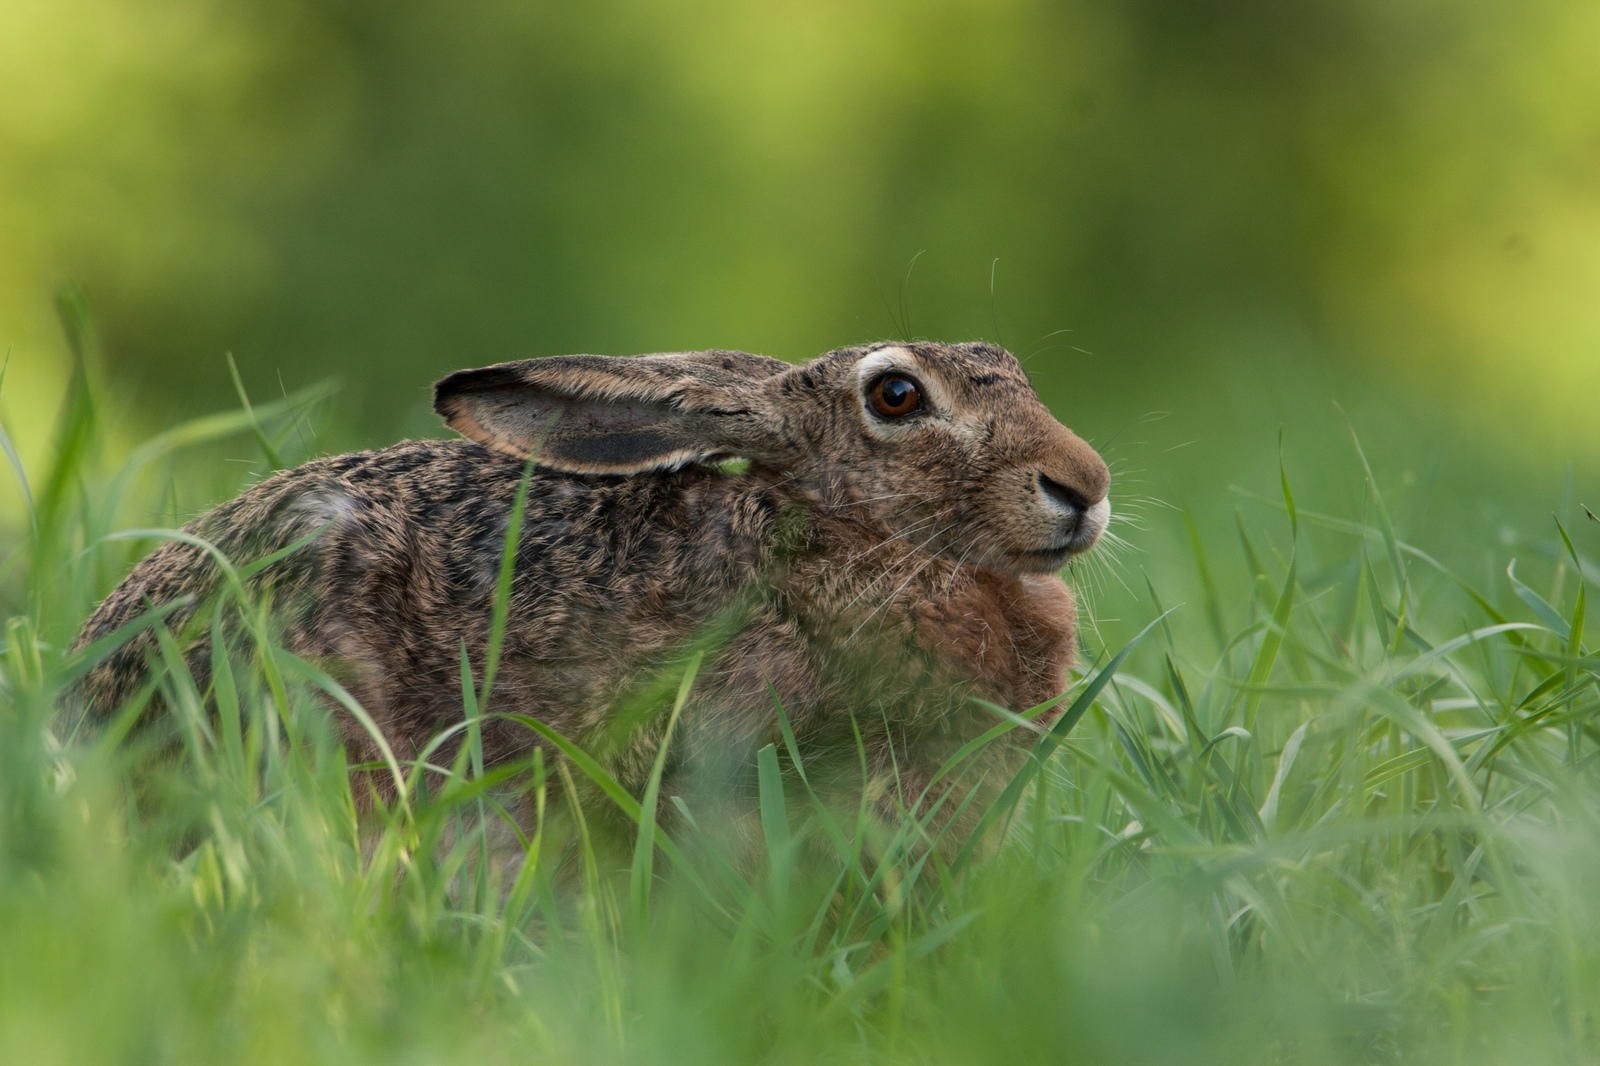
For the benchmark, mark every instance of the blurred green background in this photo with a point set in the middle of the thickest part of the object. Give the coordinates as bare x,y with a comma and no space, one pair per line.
1197,222
1201,224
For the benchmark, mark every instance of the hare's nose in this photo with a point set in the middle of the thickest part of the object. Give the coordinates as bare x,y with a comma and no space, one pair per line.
1065,498
1082,521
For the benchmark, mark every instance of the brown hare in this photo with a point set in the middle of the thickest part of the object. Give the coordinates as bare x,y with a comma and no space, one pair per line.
889,551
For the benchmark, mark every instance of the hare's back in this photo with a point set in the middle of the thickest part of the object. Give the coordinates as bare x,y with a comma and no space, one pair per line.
400,563
415,537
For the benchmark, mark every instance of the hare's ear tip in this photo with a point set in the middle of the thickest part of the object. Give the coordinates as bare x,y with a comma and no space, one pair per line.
489,377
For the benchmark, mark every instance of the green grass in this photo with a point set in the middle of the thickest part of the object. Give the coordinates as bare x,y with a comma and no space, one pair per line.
1346,810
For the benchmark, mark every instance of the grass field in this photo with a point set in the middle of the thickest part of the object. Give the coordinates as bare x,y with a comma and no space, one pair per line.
1345,808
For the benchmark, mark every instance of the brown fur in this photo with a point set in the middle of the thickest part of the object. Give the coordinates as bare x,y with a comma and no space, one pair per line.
869,571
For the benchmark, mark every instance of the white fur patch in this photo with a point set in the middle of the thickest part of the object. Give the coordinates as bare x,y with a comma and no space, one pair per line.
884,359
1098,517
323,507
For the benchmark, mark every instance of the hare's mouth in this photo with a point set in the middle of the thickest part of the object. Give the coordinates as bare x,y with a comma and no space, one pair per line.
1048,560
1060,552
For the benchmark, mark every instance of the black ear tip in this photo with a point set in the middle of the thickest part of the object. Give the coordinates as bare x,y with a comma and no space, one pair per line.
453,385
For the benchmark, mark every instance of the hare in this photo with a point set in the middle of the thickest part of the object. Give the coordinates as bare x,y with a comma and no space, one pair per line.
888,549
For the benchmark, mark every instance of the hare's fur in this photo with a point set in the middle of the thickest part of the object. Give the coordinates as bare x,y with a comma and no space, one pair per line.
870,575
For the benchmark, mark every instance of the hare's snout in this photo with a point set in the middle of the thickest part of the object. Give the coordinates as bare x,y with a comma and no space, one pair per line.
1066,488
1080,521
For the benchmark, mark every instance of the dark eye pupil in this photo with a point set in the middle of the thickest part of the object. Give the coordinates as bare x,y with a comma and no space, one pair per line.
894,397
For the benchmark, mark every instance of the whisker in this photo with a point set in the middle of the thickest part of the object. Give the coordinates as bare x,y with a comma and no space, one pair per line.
900,535
927,561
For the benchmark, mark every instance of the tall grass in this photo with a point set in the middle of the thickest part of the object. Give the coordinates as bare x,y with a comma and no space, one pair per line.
1363,825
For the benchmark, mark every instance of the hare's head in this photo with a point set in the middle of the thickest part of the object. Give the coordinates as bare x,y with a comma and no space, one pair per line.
946,446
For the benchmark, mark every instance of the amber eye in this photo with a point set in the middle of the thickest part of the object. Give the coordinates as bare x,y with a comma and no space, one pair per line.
895,397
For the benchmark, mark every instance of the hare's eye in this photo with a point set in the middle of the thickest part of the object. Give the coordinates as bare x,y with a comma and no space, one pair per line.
894,396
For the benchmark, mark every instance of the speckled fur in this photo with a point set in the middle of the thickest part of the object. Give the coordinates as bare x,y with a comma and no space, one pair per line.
884,573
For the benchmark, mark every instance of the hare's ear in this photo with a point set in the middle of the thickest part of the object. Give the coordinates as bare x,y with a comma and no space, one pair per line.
599,414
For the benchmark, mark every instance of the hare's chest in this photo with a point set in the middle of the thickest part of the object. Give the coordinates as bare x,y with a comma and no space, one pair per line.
1014,636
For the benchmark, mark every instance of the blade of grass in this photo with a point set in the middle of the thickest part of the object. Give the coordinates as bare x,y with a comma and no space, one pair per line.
644,848
1213,600
1043,749
503,581
1551,617
273,458
1288,496
18,470
293,664
1271,642
1391,542
774,824
618,795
